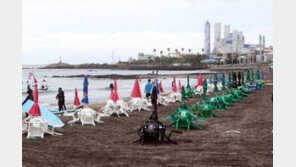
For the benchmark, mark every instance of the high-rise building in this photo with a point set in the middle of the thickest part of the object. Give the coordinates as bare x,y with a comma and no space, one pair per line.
235,41
226,30
263,41
207,43
260,41
217,36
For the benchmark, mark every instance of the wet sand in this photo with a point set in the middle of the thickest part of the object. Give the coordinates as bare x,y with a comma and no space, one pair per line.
108,145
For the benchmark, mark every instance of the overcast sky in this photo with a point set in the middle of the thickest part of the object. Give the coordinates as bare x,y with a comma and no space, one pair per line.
88,31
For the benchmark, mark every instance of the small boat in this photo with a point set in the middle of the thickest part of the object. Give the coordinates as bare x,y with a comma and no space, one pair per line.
45,88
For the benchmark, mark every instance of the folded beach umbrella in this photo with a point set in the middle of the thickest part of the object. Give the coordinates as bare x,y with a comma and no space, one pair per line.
85,91
210,79
174,85
160,86
188,85
199,81
219,77
261,76
225,77
76,99
156,84
257,74
35,109
136,90
180,87
114,95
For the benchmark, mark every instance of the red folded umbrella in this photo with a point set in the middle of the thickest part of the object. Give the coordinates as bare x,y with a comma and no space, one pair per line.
199,81
180,87
136,90
161,88
114,95
35,109
175,85
76,99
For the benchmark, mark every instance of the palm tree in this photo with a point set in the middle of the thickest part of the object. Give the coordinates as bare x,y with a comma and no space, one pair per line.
189,50
182,49
154,50
176,50
161,52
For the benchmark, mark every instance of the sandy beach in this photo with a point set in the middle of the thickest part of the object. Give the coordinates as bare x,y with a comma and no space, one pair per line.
108,144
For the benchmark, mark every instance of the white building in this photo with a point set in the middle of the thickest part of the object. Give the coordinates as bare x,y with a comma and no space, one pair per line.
226,30
207,34
217,36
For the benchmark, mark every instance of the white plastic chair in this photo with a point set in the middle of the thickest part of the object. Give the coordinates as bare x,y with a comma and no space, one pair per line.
87,116
37,127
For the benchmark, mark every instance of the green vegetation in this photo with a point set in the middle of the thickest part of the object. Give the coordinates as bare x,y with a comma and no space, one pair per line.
169,61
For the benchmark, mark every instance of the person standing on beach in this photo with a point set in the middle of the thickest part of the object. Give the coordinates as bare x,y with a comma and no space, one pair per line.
29,97
148,88
239,76
61,99
234,82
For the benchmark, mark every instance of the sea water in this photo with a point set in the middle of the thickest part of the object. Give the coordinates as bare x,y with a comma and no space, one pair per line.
98,89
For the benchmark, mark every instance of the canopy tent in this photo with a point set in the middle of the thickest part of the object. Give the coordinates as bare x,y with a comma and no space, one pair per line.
209,61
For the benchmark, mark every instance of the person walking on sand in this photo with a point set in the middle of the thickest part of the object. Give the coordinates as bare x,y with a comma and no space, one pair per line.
61,99
148,88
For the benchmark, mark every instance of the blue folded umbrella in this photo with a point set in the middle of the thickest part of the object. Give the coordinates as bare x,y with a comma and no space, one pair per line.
156,84
85,91
210,79
219,77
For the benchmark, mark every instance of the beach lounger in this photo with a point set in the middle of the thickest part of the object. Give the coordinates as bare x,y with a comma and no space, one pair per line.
99,115
174,97
120,107
163,100
139,104
72,114
55,111
53,121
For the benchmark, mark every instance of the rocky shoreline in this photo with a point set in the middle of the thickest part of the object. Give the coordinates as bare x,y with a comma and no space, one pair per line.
131,67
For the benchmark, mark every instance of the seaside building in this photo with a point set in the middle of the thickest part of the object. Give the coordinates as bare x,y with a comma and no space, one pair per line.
217,36
226,30
233,43
145,58
207,44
